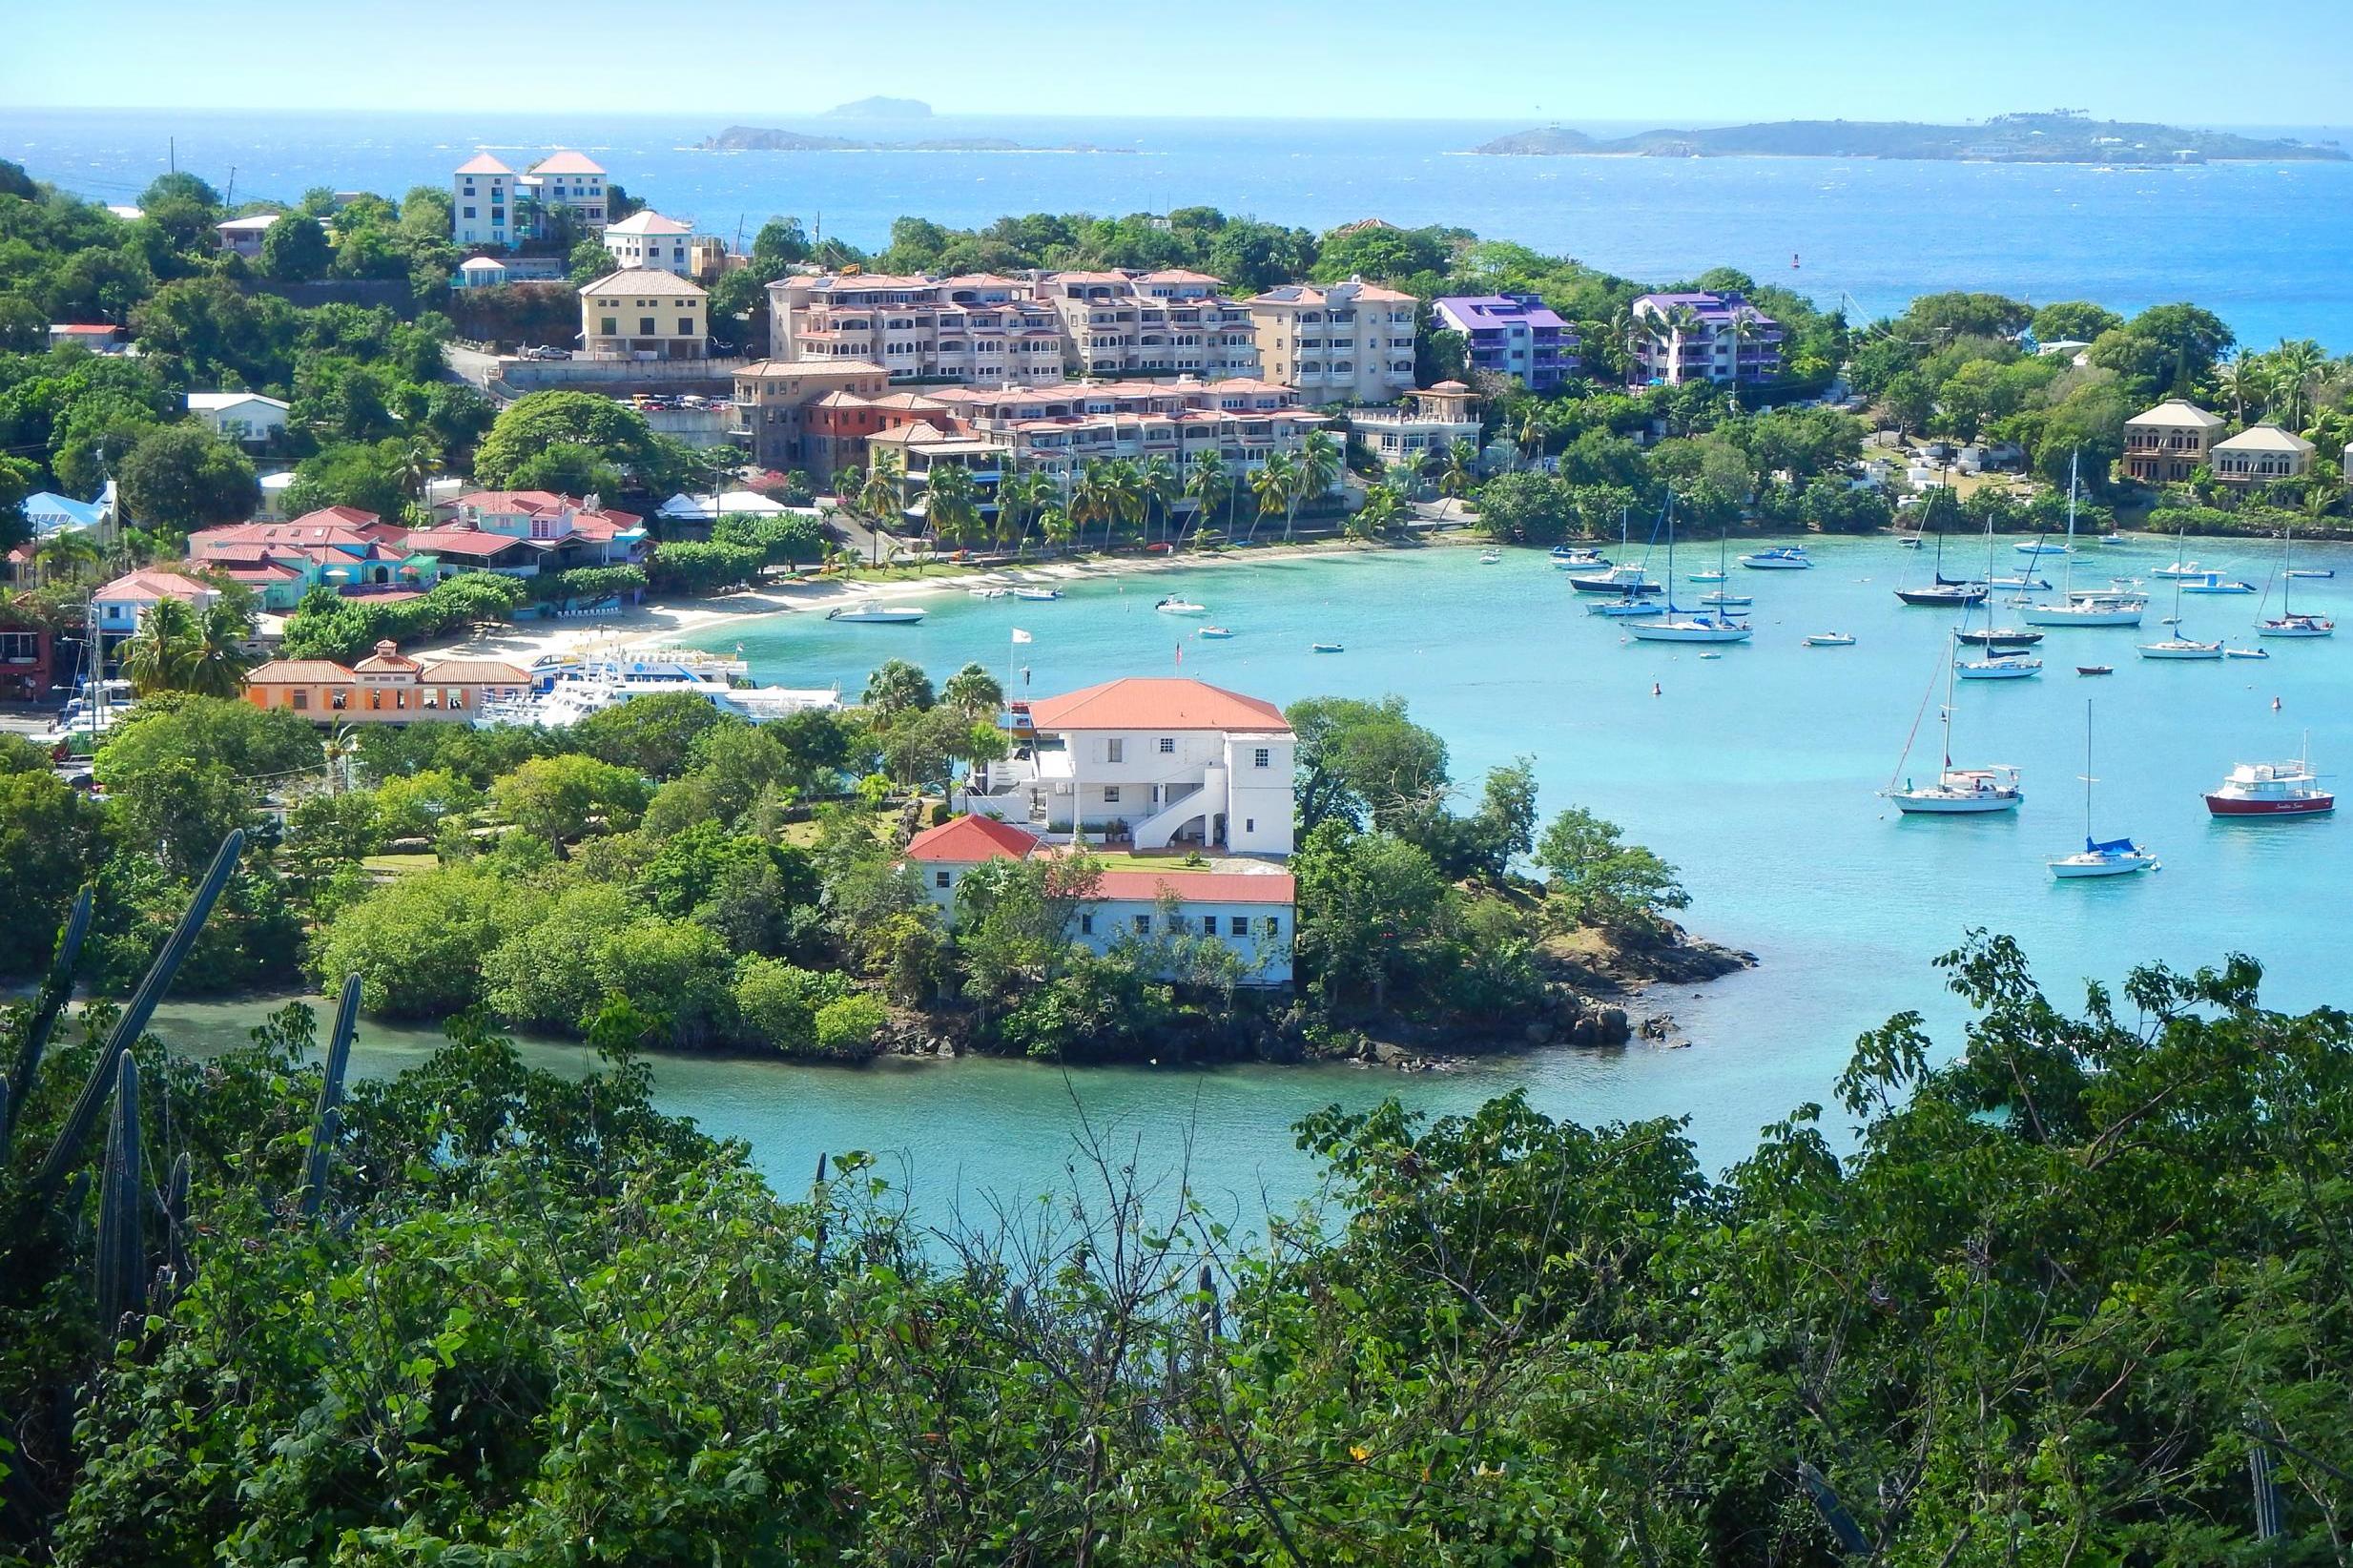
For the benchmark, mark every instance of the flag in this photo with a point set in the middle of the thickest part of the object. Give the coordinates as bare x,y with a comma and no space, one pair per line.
1020,636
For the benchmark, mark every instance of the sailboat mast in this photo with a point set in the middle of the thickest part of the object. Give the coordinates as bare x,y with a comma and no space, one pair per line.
1952,657
2087,774
2066,568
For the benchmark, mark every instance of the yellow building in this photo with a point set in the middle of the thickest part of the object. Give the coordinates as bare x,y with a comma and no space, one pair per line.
640,314
1336,343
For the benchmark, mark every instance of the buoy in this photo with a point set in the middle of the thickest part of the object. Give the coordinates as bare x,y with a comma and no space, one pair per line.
2275,705
1655,692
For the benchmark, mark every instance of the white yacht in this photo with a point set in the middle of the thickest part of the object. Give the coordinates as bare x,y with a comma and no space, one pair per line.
874,613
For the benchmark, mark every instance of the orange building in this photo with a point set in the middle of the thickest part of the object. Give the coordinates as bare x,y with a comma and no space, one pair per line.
386,688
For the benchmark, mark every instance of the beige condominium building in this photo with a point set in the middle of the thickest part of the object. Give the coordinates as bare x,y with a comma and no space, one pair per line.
1336,343
976,329
2169,442
641,314
1171,322
2262,454
772,398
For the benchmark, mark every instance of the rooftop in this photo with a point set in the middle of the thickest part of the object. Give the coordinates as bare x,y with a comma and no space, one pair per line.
199,401
483,163
969,840
649,222
645,281
1157,702
2176,411
567,162
2265,438
149,584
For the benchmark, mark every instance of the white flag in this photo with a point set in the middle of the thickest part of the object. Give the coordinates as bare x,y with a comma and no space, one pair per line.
1020,636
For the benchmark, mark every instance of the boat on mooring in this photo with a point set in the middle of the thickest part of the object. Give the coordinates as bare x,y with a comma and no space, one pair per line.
2287,623
874,613
1830,639
2099,857
1679,626
1780,558
2271,789
2117,604
1176,606
1958,791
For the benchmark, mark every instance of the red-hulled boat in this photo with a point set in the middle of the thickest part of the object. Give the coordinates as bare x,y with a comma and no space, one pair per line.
2271,789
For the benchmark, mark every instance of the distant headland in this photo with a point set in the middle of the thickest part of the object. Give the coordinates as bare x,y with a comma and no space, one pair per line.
2057,137
754,138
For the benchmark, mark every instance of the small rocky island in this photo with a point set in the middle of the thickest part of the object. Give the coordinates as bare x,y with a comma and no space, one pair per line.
2057,137
754,138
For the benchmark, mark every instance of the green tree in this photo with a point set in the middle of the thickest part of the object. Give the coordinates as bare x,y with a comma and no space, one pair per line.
563,799
1600,879
896,688
181,478
293,249
1364,762
617,435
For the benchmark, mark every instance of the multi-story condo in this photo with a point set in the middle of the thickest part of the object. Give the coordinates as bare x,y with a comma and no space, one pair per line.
1336,343
978,329
643,314
1412,437
1061,427
2262,454
648,239
2169,442
1704,336
493,204
1172,322
774,400
1513,335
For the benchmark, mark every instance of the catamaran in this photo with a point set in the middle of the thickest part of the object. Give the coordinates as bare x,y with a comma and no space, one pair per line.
2100,858
2287,623
2115,605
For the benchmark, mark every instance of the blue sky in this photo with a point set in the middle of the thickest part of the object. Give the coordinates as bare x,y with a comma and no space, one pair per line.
1676,63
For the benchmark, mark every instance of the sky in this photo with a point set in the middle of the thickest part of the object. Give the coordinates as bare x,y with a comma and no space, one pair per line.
1681,63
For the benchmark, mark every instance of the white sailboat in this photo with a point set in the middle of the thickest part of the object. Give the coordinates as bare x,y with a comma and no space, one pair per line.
1679,626
2100,858
2089,607
1958,791
2179,646
2287,623
1998,663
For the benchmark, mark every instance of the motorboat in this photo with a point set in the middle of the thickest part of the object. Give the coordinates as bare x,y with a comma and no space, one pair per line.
1327,647
2246,652
1175,605
1999,668
2181,568
2095,669
1618,580
1721,600
2109,539
1830,639
1037,595
2312,571
874,613
2092,606
1489,557
1578,557
2271,789
1618,608
2043,547
2001,637
1215,633
1704,577
2099,857
990,593
1780,558
2021,581
2180,647
2213,582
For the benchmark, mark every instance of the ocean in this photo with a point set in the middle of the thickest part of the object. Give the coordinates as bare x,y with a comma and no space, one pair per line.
1756,773
2263,245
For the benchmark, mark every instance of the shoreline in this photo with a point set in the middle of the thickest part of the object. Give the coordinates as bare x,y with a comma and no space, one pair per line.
663,622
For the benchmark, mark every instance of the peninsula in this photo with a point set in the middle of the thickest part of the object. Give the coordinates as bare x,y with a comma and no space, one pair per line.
754,138
2056,137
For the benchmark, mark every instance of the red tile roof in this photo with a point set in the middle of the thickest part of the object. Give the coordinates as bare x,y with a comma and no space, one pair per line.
1200,887
969,840
469,542
147,586
298,672
1156,702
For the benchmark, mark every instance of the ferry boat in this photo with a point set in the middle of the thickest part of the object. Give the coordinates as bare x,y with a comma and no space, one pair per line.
2271,789
1780,558
566,689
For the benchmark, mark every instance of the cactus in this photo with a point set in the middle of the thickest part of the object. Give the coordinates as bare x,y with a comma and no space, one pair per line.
134,1015
122,1207
16,1089
327,1121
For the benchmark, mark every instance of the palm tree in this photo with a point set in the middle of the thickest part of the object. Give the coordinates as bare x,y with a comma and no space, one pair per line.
65,555
953,506
216,659
1127,498
1378,514
1531,436
1208,484
881,495
1019,499
1460,473
1320,461
1745,325
338,748
2237,378
1092,497
158,656
973,692
1058,526
1158,483
1273,487
2297,364
418,463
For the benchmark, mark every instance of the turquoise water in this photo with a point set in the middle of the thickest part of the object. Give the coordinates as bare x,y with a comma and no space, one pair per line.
1754,772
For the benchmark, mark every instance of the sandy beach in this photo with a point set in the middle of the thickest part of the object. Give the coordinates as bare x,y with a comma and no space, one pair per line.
660,622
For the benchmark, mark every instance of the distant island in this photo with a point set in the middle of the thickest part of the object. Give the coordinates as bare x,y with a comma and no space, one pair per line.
881,109
2059,136
753,138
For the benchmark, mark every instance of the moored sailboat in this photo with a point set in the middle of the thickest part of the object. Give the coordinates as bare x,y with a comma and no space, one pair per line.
2099,857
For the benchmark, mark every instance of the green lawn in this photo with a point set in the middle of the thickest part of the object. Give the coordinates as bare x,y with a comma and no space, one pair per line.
399,865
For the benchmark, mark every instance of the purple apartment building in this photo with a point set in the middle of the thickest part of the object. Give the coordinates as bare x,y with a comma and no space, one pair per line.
1700,336
1513,335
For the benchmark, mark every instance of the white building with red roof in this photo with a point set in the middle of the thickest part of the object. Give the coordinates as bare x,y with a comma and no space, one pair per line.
1155,762
1251,907
483,528
120,603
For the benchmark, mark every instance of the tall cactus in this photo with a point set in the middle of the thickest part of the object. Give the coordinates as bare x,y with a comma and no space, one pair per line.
327,1122
16,1089
134,1015
122,1207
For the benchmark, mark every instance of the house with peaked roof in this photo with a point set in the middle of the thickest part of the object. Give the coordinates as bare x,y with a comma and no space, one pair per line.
1151,761
387,686
247,418
493,204
559,531
648,239
1252,910
642,312
120,603
2166,445
2262,454
354,552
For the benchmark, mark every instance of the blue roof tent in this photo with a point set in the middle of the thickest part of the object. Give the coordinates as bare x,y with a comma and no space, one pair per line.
50,513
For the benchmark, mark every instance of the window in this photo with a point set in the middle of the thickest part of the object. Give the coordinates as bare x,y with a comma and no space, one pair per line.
1274,925
607,326
1110,795
1263,757
645,326
470,212
1087,925
336,700
20,647
1115,751
1168,745
1144,925
301,698
685,327
457,698
1249,824
939,878
375,701
1239,925
1176,923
